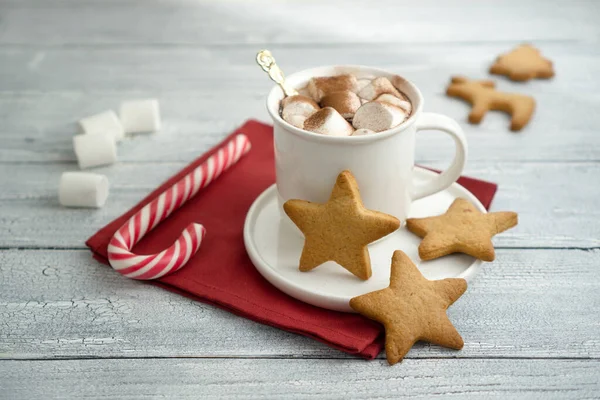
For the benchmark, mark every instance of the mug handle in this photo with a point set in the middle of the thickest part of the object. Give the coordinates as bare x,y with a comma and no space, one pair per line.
433,121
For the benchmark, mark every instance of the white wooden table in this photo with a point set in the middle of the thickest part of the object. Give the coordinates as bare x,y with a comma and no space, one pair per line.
72,328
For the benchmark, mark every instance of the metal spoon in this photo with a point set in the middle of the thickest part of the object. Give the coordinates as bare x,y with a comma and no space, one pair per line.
268,64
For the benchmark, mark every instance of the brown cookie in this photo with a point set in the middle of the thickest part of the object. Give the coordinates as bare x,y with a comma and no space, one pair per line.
340,229
483,97
412,308
462,229
522,64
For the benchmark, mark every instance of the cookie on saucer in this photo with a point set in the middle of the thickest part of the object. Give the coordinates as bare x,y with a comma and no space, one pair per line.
462,229
340,229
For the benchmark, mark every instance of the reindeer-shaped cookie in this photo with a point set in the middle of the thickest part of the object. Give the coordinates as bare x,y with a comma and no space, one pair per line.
483,97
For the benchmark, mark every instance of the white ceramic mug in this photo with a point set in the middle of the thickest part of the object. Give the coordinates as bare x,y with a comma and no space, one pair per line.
308,163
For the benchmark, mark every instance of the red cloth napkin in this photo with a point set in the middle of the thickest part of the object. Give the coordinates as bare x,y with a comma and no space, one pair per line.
221,272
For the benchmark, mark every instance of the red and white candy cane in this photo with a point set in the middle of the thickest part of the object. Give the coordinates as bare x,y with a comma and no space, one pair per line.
173,258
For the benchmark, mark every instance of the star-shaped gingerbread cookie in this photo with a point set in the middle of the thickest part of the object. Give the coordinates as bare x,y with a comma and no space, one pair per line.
412,308
522,64
340,229
462,229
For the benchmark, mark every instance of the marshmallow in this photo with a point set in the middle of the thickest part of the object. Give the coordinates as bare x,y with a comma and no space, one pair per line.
378,116
395,101
106,123
346,102
94,149
327,121
361,83
82,189
362,132
398,82
298,105
319,87
377,87
304,92
140,116
297,120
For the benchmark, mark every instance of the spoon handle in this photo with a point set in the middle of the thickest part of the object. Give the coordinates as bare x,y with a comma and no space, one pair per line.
268,64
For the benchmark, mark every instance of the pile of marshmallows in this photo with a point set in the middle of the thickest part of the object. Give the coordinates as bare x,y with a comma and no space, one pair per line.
346,106
97,145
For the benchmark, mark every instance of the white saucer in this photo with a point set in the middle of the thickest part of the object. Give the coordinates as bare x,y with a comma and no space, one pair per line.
274,248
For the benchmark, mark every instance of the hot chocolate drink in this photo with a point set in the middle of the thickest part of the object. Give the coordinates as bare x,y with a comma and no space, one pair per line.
344,105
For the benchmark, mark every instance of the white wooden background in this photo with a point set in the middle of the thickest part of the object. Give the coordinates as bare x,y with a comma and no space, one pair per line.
72,328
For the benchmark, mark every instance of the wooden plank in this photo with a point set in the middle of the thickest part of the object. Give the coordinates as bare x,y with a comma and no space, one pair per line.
38,127
556,202
63,304
206,69
207,22
293,379
41,98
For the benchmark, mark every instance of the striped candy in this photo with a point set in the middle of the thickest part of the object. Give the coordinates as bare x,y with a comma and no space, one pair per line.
173,258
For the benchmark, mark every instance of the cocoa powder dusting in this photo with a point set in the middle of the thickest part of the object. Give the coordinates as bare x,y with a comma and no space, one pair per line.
299,98
318,118
329,84
345,102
